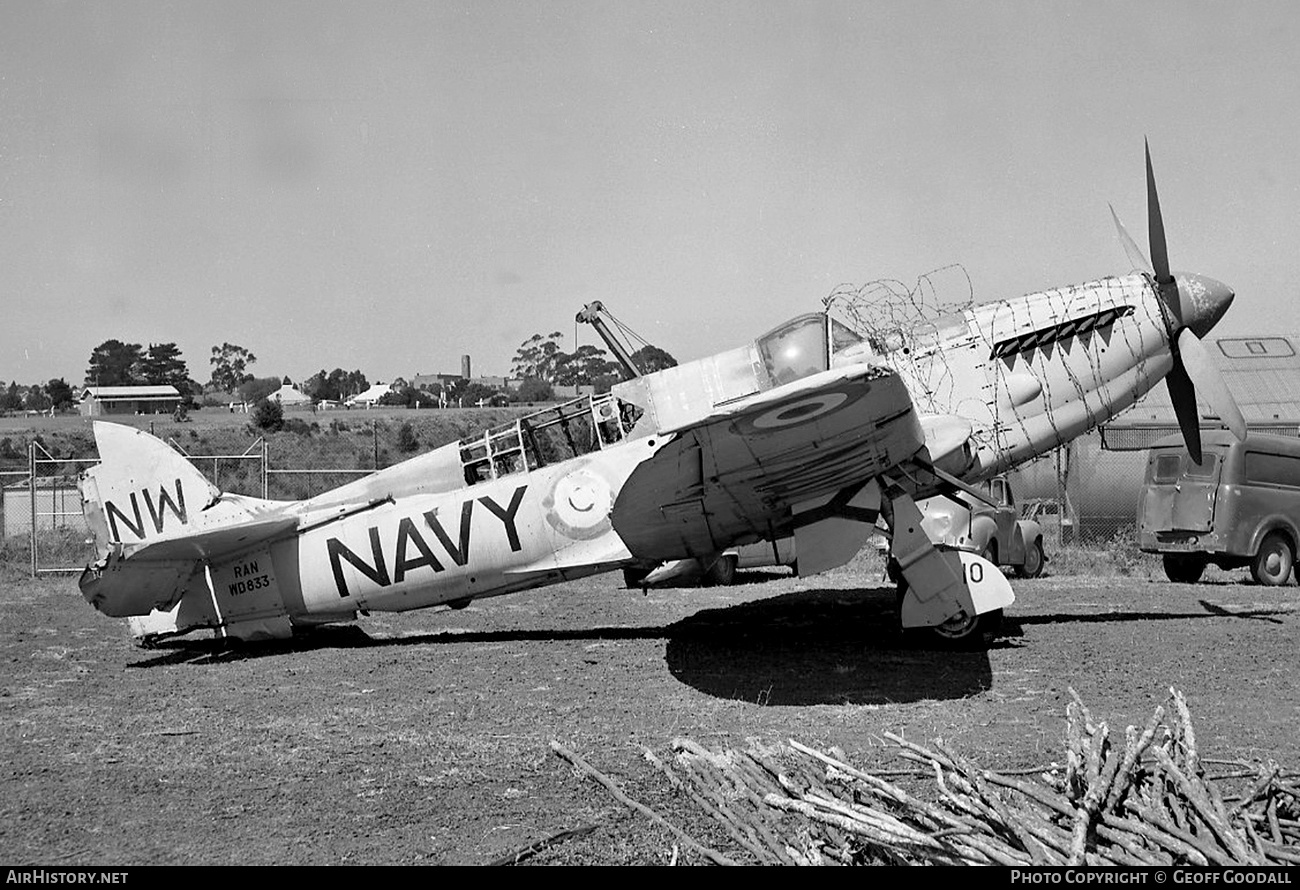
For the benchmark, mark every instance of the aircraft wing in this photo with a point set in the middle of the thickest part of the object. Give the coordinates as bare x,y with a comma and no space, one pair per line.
745,469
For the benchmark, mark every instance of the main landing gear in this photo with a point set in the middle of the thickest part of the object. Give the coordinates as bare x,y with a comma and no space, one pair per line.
956,598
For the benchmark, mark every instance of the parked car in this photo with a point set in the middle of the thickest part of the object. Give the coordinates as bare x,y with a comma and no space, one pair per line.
995,532
1240,506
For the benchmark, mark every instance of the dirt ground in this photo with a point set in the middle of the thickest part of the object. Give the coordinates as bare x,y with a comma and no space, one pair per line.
425,737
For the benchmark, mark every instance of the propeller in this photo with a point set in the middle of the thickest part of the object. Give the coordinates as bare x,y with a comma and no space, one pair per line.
1192,303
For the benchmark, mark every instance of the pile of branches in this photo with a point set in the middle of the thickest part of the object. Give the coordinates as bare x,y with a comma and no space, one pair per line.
1145,800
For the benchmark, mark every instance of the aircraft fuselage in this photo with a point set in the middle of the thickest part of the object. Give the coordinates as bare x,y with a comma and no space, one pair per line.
1036,371
520,531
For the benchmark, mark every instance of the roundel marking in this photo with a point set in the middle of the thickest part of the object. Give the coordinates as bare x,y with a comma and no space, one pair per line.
800,411
579,503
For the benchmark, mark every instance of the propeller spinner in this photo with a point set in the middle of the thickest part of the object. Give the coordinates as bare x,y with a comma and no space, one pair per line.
1192,305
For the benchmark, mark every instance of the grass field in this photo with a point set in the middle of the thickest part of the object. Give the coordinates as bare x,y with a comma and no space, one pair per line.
340,439
425,737
220,419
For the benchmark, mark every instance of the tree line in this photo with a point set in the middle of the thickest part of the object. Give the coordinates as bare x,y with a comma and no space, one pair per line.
540,363
118,363
543,358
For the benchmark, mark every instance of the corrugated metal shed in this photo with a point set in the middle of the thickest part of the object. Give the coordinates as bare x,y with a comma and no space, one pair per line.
1263,374
131,392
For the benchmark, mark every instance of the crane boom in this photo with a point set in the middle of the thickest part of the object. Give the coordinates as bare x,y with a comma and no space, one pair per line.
594,314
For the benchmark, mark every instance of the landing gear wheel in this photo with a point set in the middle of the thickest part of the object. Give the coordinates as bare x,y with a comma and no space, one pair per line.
962,632
1182,568
1034,560
633,576
723,572
968,631
1273,563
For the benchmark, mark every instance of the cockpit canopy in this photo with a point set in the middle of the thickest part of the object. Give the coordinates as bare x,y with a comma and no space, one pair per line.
807,345
676,398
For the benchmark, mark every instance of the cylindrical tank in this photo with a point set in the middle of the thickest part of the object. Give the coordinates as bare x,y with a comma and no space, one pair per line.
1102,487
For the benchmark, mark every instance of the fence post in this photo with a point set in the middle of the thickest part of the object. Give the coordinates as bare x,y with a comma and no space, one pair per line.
266,458
31,491
374,437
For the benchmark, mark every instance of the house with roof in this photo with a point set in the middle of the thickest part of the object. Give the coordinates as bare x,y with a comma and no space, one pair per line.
290,397
97,401
371,396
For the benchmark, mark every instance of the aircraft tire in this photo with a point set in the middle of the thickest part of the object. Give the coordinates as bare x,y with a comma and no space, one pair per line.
633,576
1034,560
967,632
1183,568
723,572
1273,563
990,552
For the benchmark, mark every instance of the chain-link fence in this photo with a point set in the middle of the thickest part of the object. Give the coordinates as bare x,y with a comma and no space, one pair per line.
1083,494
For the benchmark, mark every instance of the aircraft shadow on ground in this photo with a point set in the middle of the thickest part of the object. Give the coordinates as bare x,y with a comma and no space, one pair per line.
800,648
813,647
808,647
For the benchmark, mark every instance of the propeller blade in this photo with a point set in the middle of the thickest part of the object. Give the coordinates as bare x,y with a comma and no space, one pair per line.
1135,255
1209,382
1156,227
1183,395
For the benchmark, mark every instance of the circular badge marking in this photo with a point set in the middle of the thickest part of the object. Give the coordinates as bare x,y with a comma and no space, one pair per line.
799,411
579,503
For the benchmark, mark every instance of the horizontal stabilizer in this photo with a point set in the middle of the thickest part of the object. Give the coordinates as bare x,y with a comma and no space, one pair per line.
218,542
120,588
157,575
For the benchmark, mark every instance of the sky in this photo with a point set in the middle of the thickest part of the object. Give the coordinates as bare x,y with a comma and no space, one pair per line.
390,185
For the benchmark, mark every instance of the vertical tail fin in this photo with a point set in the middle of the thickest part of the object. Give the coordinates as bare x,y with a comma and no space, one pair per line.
141,491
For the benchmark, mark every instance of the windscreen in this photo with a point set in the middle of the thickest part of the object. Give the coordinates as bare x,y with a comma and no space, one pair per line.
796,349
